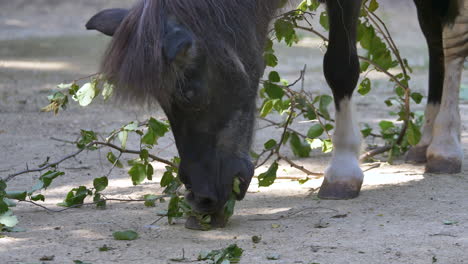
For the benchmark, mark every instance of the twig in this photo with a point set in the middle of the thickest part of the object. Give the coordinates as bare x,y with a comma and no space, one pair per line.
375,166
121,150
280,125
62,140
11,176
91,203
128,151
86,77
293,212
363,59
375,152
301,168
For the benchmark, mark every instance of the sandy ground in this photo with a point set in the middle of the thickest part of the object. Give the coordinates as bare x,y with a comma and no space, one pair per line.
399,217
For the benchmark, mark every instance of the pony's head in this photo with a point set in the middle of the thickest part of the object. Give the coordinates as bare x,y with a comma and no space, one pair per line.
201,60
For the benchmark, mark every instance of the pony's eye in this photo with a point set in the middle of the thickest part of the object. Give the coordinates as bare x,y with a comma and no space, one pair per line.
191,94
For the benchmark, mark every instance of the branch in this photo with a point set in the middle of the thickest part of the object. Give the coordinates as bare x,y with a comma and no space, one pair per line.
360,57
121,150
301,168
92,203
128,151
280,125
11,176
374,152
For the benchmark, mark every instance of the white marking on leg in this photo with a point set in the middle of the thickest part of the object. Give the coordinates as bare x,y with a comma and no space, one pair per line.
446,132
344,165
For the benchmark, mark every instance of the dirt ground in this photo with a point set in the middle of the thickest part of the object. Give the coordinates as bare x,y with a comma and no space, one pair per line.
401,216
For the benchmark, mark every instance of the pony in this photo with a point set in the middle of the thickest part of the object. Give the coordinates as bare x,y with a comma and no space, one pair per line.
202,62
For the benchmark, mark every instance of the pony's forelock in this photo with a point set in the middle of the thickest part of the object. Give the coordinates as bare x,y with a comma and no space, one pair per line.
228,32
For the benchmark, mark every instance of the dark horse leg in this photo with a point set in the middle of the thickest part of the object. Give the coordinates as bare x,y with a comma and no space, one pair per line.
430,21
343,177
445,153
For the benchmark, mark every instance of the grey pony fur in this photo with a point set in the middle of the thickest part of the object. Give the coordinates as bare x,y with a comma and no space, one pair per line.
134,61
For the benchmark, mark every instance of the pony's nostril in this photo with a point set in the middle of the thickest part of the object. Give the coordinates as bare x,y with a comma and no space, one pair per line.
205,203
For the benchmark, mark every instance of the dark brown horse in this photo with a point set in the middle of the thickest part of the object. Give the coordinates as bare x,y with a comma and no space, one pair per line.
202,61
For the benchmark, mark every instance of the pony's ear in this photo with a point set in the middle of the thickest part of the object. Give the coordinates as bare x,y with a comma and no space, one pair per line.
178,44
107,21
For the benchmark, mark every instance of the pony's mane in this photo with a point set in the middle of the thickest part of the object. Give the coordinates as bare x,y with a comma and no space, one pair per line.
134,62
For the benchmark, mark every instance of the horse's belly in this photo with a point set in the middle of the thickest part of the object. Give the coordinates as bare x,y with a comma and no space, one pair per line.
456,34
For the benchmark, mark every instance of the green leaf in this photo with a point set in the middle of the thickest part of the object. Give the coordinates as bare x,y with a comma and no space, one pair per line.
80,262
100,184
386,125
149,138
173,209
268,178
413,133
315,131
417,97
76,196
274,91
236,186
100,203
3,186
138,173
285,31
364,87
56,101
20,196
270,59
324,103
8,219
144,154
113,160
298,147
156,130
3,206
229,207
270,144
231,254
274,77
47,178
366,131
123,136
373,5
400,91
125,235
266,109
167,178
324,21
150,200
327,146
38,197
86,138
149,172
159,128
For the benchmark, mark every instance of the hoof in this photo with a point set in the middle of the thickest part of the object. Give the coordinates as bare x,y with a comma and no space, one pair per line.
217,220
340,190
416,155
441,165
